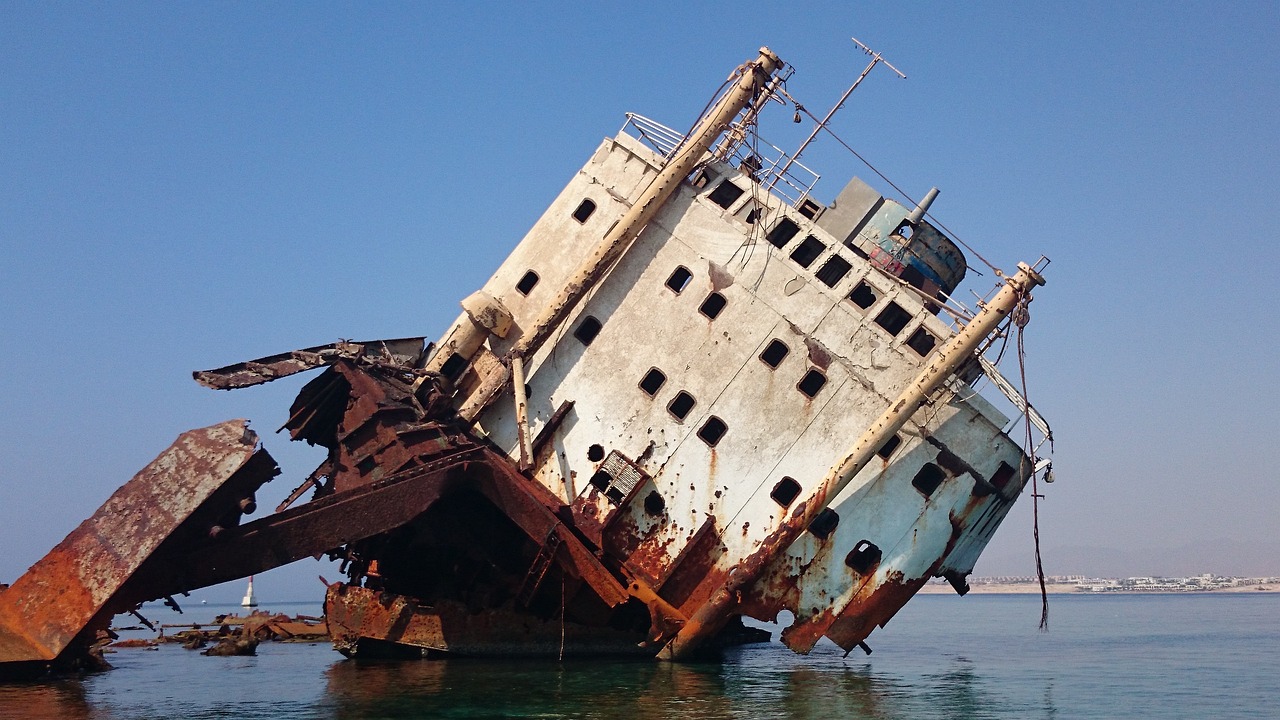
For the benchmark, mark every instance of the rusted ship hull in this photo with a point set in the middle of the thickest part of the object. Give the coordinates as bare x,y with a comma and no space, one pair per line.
633,436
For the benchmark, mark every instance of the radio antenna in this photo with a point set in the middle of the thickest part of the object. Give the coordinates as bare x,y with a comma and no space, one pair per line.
875,60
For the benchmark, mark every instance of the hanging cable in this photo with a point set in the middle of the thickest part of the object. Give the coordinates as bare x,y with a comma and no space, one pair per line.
900,191
1020,317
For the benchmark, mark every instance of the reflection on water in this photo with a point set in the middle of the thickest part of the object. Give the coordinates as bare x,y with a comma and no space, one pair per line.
940,658
751,683
314,682
55,700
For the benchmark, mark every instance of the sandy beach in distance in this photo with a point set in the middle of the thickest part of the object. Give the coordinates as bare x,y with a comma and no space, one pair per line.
935,588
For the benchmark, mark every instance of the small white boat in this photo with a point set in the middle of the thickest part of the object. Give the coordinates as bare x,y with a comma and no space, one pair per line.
249,600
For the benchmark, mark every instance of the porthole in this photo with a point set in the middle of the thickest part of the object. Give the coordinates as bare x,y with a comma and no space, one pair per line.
712,306
587,330
811,383
527,283
679,279
652,382
786,491
585,208
774,354
712,430
680,405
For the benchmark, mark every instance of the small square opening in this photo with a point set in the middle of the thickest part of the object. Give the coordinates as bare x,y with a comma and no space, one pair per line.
928,479
1003,475
786,491
864,557
922,342
893,318
863,296
712,430
679,279
527,283
833,271
825,524
782,233
774,354
652,382
453,366
680,405
712,306
808,251
809,208
587,330
886,450
585,208
811,383
725,194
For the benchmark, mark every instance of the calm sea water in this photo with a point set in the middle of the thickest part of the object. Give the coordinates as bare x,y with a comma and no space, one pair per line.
1157,656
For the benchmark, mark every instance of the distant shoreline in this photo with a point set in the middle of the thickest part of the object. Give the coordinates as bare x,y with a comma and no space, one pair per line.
1032,588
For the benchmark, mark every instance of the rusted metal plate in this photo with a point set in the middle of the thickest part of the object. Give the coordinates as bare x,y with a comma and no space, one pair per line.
356,615
82,577
406,352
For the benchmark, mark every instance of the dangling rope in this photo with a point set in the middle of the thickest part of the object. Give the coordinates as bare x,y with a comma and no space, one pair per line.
1021,316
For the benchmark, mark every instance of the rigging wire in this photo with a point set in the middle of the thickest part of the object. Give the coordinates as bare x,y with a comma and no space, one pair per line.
1021,316
903,193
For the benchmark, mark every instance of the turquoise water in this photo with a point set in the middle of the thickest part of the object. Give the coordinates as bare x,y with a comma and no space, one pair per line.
1159,656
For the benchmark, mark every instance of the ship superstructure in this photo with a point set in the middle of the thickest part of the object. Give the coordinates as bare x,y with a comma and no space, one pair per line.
691,393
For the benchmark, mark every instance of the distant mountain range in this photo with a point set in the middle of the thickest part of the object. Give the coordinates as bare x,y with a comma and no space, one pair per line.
1229,557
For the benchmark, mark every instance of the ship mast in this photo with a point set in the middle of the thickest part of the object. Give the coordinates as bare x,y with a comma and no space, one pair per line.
752,79
876,59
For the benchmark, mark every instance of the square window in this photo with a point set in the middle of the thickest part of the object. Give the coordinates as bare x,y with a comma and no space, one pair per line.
928,479
652,382
863,296
864,556
587,330
786,491
679,279
680,405
712,430
725,194
893,318
774,354
585,208
808,251
825,524
811,383
809,208
782,233
1003,475
833,270
886,450
922,342
453,366
527,283
712,306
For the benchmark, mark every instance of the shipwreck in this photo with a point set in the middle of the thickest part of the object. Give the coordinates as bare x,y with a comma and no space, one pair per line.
691,394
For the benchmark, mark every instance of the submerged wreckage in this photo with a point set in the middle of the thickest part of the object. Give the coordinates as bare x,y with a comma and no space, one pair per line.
690,394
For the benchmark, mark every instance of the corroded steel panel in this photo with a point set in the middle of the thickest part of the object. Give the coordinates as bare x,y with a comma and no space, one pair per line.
81,577
356,614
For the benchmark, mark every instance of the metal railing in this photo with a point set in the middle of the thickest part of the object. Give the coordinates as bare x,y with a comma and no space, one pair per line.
761,159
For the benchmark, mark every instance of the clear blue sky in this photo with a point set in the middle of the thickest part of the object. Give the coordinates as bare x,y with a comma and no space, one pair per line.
187,185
